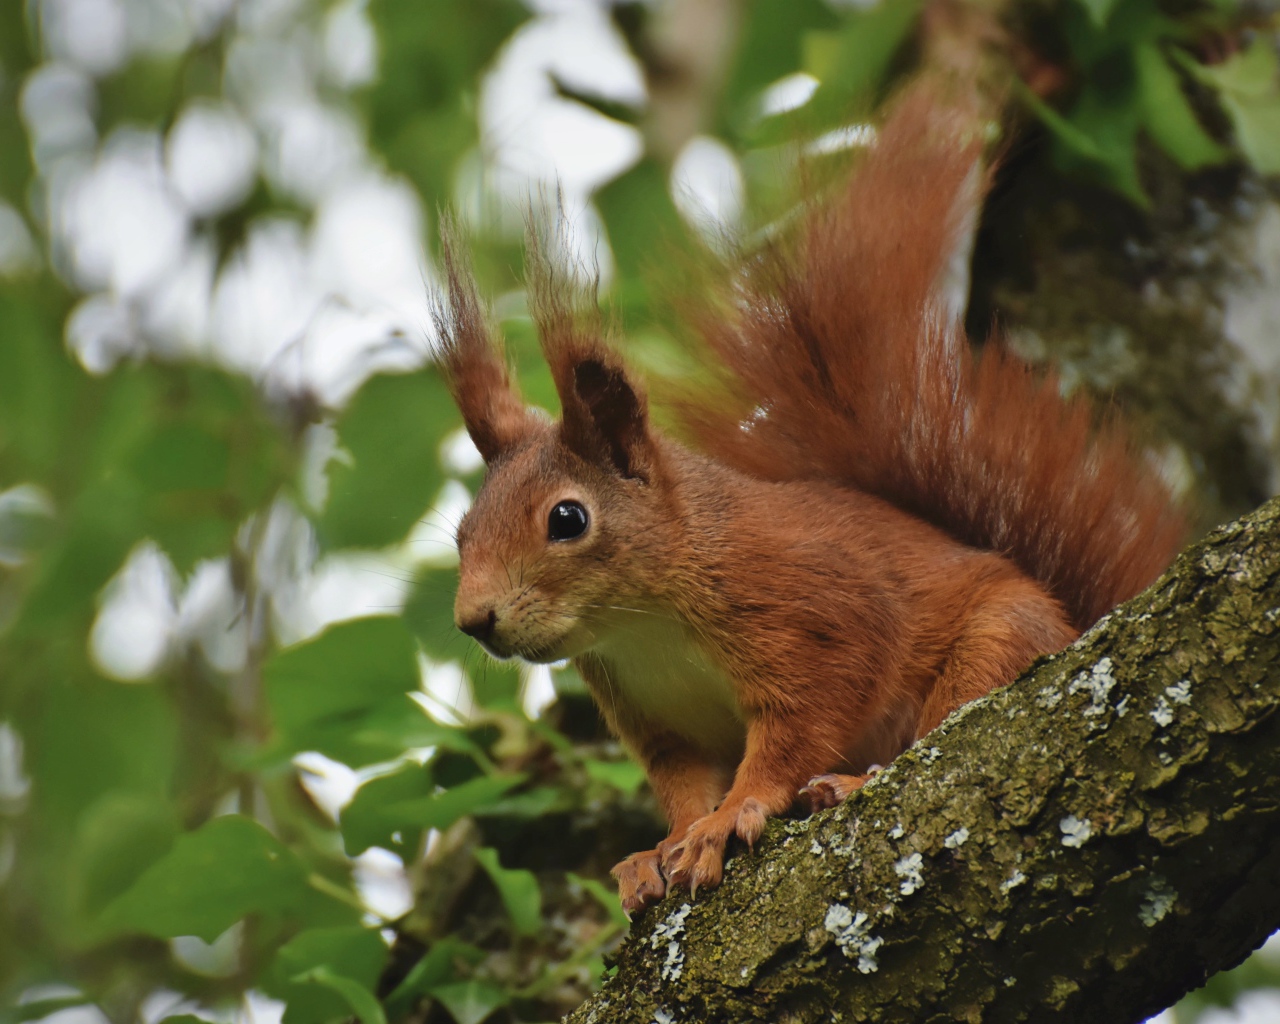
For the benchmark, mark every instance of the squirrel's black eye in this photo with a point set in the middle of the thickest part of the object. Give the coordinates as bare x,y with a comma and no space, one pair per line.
567,520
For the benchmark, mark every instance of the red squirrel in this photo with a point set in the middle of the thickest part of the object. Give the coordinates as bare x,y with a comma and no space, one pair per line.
901,525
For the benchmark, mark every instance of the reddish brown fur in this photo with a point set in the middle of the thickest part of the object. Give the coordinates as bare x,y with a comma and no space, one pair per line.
840,340
767,613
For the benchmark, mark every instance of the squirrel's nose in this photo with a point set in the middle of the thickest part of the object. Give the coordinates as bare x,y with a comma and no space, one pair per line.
480,625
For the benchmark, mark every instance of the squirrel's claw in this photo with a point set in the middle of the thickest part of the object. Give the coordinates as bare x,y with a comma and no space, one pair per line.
698,858
640,880
825,791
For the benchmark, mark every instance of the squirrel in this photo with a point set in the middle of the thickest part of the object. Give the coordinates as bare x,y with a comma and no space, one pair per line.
898,526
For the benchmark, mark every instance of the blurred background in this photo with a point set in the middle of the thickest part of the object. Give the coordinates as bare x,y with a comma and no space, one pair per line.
248,769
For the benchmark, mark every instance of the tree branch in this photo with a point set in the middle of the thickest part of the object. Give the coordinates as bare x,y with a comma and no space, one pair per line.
1087,844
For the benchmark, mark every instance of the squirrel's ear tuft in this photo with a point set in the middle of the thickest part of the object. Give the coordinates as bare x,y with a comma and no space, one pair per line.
604,414
472,360
614,414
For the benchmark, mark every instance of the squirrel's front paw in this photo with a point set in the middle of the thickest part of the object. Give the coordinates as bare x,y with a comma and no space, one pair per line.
639,880
698,859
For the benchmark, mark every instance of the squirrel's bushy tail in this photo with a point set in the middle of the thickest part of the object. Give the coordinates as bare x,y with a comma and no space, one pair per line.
841,342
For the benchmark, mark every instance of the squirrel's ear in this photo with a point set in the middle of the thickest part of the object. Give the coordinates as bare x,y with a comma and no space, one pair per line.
606,417
473,364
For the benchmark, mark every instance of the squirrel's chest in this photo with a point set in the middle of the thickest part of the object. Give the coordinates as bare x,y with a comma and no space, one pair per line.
657,672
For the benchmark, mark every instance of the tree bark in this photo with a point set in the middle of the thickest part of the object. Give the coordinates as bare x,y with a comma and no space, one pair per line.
1086,844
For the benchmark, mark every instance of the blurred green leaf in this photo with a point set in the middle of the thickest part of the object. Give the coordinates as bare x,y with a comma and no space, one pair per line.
470,1002
1254,71
1109,118
851,65
640,217
1249,88
536,383
429,613
770,47
117,839
1257,125
201,458
440,810
210,879
422,109
362,820
532,803
93,738
392,432
357,996
1168,116
146,90
39,385
322,691
605,896
436,968
356,954
626,776
496,684
518,889
1099,11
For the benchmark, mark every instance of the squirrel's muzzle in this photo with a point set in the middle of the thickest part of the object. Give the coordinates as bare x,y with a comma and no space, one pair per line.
479,624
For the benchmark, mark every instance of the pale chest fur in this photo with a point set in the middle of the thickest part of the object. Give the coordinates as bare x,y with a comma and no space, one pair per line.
654,666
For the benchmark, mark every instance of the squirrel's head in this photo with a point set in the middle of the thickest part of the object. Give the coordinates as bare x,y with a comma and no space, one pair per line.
553,543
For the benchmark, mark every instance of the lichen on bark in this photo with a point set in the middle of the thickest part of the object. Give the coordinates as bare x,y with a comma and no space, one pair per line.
1086,844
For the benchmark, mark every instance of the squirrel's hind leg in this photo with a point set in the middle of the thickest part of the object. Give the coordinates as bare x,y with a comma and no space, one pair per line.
1008,625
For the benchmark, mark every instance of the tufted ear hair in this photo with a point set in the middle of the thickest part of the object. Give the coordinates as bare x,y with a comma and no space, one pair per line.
472,359
604,413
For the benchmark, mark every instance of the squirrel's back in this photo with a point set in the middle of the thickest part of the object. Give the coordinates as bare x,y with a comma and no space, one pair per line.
841,343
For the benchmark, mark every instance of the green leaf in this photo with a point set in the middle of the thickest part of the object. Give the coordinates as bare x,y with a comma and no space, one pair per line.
93,738
364,823
640,217
532,803
356,954
392,432
496,684
518,889
851,64
362,1002
1251,72
626,776
320,690
429,613
118,838
1257,125
435,969
422,109
604,895
211,878
40,388
203,456
1249,88
1168,116
1099,11
441,810
470,1002
770,46
1109,117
